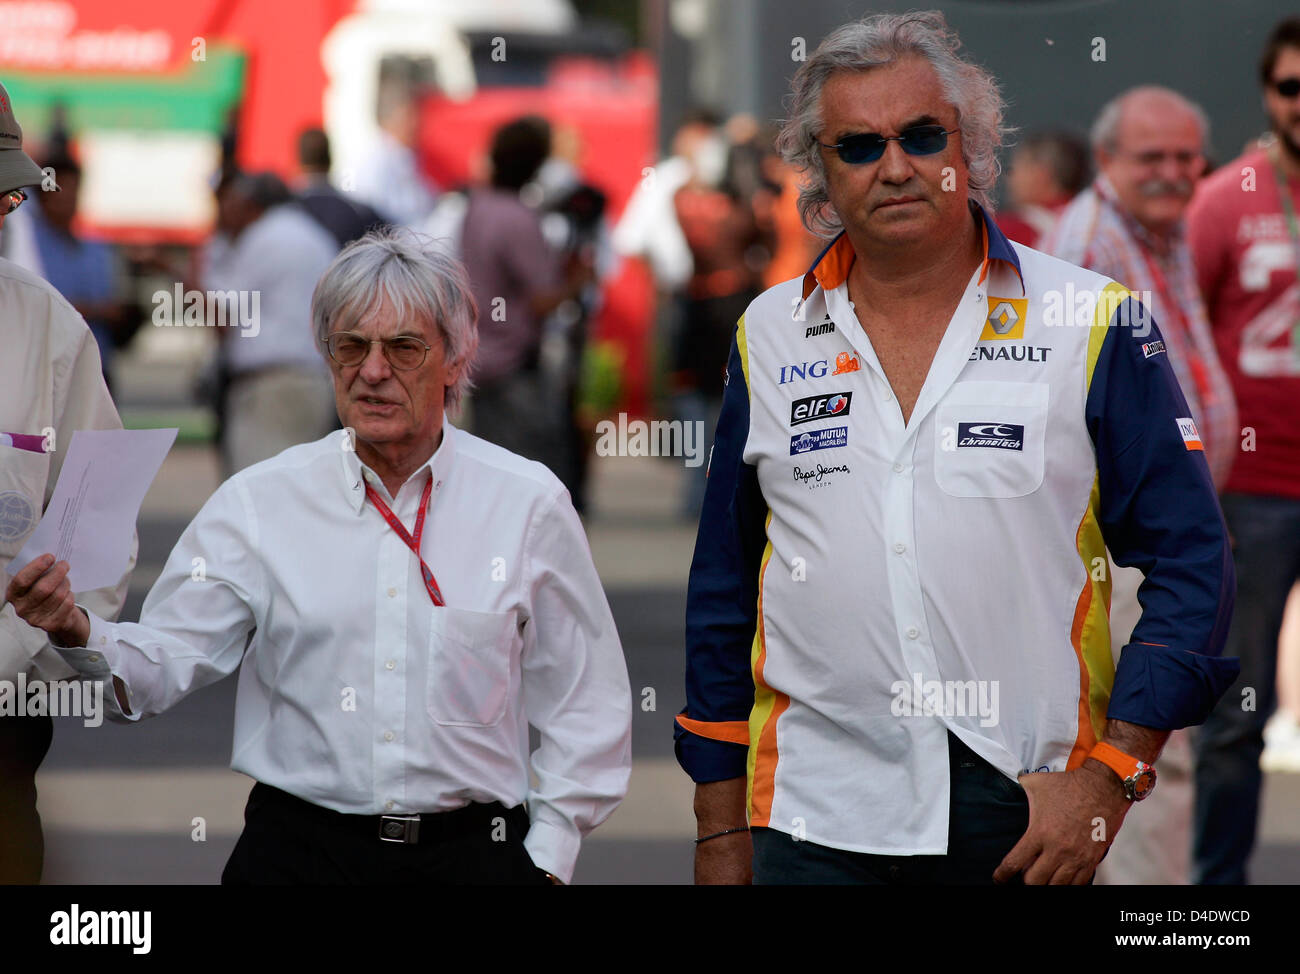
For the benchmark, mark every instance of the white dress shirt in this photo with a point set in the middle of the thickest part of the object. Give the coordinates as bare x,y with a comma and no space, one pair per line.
50,379
356,692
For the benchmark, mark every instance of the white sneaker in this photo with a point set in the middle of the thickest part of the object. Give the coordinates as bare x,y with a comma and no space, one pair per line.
1281,744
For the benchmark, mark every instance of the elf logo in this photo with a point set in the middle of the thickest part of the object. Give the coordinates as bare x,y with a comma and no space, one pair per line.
820,407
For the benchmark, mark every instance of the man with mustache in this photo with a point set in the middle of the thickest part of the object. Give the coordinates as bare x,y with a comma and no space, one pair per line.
846,638
1148,144
1246,240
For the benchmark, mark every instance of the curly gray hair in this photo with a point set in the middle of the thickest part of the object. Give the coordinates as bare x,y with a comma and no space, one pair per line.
414,275
871,43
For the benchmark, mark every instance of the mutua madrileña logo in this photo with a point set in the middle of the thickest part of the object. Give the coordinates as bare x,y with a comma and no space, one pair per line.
820,407
996,436
822,439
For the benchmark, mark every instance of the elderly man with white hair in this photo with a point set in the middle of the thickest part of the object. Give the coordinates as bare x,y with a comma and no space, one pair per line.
405,598
1149,144
898,662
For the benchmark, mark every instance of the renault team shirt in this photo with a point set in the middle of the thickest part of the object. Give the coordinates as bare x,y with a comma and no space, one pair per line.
860,587
1246,262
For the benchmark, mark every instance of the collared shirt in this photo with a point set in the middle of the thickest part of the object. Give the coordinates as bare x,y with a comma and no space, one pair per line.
267,275
53,386
356,693
861,585
1096,233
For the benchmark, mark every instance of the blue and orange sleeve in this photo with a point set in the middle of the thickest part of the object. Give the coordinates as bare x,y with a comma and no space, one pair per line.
711,733
1159,513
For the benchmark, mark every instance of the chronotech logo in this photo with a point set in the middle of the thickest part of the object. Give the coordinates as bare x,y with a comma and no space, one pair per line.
997,436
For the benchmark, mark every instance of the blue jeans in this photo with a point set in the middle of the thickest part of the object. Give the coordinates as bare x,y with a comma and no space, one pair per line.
1266,549
989,813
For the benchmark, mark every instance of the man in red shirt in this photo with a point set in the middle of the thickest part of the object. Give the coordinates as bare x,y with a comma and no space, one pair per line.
1245,239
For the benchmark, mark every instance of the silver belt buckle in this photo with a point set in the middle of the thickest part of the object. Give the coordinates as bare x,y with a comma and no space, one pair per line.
399,828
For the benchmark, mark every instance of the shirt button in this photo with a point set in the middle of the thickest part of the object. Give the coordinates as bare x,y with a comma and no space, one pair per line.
103,640
390,805
913,633
898,468
900,548
388,736
94,658
392,593
888,396
390,665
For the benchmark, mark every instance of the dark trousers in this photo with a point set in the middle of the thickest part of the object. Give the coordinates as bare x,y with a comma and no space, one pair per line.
24,742
1266,550
287,841
989,813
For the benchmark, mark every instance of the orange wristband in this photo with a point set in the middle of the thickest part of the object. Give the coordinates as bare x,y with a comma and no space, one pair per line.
1124,765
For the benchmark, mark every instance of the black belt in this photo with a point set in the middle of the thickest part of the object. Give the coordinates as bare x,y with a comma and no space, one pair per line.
428,827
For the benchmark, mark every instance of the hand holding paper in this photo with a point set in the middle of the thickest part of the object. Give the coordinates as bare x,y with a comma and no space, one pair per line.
90,519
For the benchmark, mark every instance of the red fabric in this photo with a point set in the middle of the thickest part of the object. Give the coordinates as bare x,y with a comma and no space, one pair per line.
1246,266
1017,229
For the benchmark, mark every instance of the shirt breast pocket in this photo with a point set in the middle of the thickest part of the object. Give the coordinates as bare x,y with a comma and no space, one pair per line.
470,656
23,477
989,439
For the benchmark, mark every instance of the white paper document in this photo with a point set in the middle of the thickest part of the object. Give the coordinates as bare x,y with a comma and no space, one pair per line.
91,517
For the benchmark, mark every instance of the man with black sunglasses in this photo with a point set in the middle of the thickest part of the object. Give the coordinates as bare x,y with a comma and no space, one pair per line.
898,659
1245,237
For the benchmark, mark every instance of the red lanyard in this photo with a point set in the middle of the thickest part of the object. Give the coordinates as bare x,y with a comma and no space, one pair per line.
1200,376
413,543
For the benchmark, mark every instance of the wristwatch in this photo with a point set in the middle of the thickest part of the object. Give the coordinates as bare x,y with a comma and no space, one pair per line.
1138,777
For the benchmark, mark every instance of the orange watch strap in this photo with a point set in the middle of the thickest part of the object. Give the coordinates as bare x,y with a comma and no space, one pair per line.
1124,765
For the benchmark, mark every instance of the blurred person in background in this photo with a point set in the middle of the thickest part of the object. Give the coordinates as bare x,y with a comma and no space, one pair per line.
389,177
1129,225
345,218
1048,169
86,272
267,259
649,228
1149,144
518,279
776,210
574,223
721,231
53,385
1245,238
